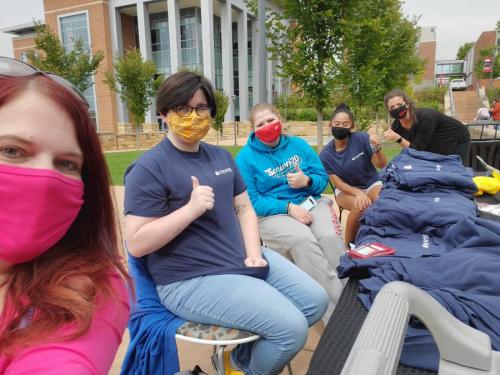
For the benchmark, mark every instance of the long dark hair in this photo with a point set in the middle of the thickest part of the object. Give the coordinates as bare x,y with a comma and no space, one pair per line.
61,285
180,87
411,104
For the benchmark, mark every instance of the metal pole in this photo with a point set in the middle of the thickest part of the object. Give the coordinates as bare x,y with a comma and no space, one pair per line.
261,50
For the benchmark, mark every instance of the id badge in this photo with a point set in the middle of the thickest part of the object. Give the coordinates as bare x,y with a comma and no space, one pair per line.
309,203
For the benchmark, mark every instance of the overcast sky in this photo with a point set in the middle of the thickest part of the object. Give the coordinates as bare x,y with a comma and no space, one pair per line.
457,21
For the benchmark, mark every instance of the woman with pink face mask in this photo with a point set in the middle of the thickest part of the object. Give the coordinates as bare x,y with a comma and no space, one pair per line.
285,179
189,215
63,301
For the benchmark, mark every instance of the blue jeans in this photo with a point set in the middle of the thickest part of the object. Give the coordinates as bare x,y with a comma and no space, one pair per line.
280,309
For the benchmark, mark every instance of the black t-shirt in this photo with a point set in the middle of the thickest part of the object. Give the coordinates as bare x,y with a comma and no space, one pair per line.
434,132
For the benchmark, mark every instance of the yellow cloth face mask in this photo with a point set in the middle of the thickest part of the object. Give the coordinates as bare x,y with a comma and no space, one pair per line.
191,128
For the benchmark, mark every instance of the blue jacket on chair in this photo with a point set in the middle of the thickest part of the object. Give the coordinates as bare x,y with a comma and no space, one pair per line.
152,348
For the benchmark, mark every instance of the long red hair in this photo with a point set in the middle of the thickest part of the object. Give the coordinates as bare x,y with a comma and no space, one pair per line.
61,285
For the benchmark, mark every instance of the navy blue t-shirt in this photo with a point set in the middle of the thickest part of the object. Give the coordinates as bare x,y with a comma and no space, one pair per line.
353,164
159,182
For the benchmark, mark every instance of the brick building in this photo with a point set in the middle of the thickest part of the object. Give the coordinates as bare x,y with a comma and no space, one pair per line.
213,36
487,40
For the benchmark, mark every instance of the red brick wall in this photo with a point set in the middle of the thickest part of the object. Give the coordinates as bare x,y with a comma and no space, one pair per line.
98,18
22,44
485,40
427,50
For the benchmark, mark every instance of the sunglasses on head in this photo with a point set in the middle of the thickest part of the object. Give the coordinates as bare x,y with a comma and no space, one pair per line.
14,68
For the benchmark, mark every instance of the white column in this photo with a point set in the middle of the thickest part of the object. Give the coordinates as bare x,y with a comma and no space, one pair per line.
243,64
227,56
269,80
257,67
207,39
174,33
145,47
261,49
117,46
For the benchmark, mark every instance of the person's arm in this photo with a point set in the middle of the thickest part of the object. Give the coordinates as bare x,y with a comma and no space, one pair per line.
147,234
391,135
361,199
377,155
91,354
249,229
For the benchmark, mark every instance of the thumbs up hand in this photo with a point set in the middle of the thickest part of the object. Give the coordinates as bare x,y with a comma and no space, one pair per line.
202,198
297,179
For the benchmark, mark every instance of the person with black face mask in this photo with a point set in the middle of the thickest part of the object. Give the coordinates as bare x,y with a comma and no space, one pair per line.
350,160
425,129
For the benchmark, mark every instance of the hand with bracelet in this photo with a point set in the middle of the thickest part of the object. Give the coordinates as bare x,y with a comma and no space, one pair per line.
375,143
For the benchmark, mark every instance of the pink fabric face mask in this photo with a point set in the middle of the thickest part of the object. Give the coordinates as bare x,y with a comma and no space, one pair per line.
37,207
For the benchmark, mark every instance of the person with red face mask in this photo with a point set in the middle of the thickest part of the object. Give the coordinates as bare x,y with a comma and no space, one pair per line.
425,129
285,179
63,297
189,215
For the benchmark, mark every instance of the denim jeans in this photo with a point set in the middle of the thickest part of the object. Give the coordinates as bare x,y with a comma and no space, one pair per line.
280,309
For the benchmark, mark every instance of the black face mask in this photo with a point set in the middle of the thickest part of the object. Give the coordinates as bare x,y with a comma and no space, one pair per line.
340,133
399,112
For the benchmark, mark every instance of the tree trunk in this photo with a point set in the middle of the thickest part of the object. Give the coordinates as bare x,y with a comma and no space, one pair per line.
319,125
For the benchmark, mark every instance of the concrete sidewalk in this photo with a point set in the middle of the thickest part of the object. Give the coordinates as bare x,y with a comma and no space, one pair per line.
195,354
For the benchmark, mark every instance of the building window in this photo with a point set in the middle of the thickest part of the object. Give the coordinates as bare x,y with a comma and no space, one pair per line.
218,52
191,48
74,28
160,42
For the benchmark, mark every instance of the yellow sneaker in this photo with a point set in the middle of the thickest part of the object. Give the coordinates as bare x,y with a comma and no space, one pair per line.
227,365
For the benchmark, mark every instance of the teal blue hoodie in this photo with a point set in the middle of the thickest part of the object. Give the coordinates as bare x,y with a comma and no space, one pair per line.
264,170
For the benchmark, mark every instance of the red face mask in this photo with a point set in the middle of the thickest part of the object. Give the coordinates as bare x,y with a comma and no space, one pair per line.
37,207
269,133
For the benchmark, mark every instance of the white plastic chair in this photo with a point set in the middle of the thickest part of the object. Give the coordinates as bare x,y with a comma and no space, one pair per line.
376,351
219,337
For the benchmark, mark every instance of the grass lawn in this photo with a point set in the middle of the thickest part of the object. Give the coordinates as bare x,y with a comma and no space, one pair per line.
119,161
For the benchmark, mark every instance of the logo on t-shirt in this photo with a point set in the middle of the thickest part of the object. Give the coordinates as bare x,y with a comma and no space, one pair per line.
358,155
284,168
223,171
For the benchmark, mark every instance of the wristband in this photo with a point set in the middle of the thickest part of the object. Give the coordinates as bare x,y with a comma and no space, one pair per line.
399,140
310,182
288,208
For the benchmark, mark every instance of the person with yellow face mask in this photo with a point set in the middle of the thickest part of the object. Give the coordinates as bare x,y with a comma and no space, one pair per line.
188,213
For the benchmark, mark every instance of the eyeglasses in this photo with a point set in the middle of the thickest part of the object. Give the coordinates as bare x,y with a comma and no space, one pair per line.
185,110
14,68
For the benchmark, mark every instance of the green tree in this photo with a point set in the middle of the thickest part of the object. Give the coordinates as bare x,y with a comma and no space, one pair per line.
77,66
355,50
222,102
378,53
136,82
306,49
462,51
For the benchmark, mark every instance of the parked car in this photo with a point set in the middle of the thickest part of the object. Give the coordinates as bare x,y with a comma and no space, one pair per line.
458,84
